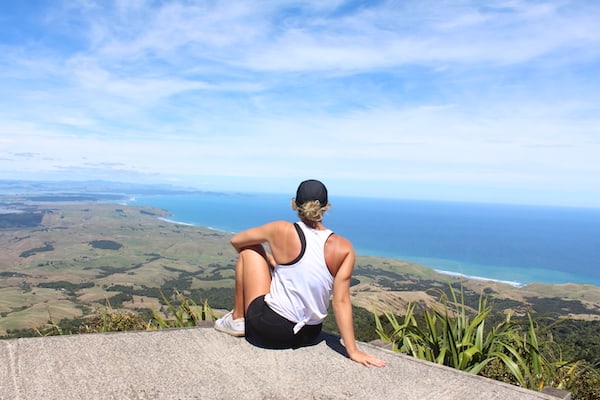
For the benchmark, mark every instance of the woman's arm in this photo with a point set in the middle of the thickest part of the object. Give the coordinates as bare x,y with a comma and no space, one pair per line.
281,236
342,308
254,236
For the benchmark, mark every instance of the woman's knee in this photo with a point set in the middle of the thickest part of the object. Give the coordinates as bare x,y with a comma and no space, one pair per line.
254,254
256,250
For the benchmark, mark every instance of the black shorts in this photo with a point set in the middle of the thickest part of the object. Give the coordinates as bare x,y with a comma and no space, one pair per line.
265,328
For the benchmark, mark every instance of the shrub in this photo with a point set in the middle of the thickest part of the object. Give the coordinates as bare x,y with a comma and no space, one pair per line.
185,313
105,244
108,320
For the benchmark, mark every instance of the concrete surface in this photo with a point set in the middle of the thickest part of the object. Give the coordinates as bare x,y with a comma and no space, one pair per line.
201,363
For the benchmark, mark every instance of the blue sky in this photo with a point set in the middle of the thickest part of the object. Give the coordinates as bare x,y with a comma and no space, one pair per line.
449,100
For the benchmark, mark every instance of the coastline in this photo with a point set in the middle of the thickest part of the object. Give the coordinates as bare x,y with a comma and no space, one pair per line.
180,223
480,278
78,272
372,236
420,261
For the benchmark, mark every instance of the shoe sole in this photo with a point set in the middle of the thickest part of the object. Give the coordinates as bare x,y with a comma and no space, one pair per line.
229,331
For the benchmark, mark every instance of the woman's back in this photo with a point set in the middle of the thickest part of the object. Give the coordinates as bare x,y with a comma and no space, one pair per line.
286,245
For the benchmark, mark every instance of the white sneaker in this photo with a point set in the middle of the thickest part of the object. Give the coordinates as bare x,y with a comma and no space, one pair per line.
234,327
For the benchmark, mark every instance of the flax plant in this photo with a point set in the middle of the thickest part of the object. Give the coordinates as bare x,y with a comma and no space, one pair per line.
541,364
452,335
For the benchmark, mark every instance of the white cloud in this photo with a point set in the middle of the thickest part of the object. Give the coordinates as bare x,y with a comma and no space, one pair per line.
467,94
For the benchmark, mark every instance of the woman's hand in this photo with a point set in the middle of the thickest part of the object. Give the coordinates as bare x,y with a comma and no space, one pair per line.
367,360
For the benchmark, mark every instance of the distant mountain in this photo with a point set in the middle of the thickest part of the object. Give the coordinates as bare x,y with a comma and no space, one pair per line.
94,186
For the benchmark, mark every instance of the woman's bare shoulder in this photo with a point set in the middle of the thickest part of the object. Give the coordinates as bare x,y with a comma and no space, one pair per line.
339,242
278,225
337,250
280,230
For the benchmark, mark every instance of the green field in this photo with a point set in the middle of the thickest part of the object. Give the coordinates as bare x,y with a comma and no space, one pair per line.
76,257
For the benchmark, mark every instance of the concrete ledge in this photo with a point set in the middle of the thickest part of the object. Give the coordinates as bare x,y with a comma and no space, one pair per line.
200,363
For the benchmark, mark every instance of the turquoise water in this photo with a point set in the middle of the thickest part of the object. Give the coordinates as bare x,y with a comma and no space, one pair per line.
517,244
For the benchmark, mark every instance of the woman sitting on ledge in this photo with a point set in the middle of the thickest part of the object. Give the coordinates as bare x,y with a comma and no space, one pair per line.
281,298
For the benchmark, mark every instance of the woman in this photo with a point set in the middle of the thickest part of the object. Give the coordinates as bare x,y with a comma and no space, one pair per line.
281,297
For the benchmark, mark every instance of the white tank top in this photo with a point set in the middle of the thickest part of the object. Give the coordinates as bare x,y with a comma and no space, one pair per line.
300,290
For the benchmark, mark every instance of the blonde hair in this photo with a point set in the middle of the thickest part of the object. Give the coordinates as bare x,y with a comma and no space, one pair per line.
311,211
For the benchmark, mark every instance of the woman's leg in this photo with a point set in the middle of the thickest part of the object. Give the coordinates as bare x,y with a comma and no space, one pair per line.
252,278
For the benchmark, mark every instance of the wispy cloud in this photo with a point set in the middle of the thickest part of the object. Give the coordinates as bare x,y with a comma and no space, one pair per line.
472,95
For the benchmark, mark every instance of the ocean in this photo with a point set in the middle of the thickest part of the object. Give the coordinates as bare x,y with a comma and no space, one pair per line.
517,244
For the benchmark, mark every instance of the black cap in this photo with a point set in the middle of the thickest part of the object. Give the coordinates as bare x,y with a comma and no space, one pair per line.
311,190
